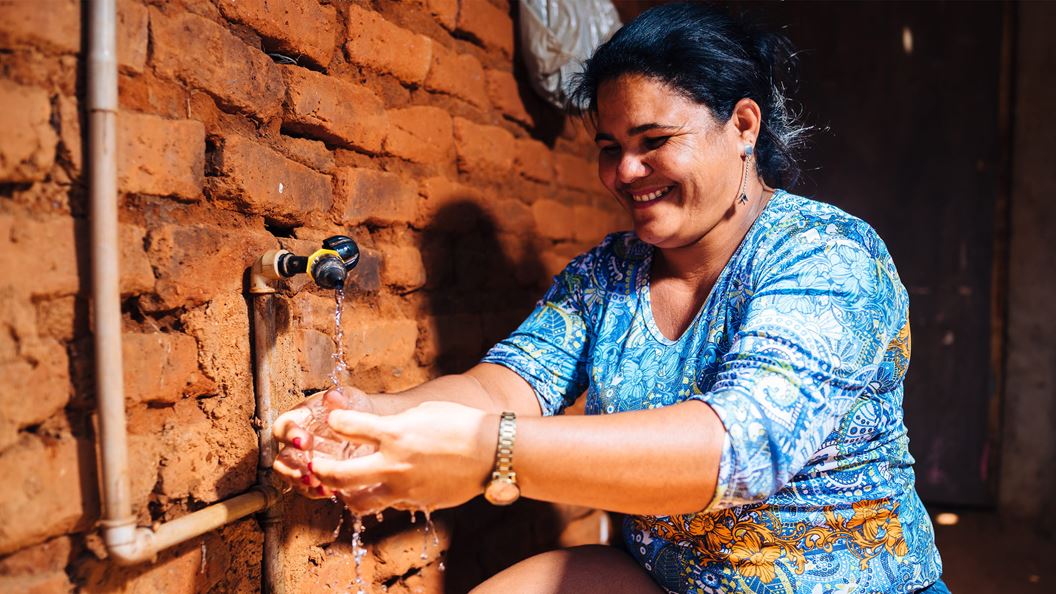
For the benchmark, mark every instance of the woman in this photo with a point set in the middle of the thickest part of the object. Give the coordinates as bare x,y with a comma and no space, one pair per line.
752,341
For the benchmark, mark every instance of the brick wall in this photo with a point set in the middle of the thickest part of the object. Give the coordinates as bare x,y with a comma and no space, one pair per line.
248,125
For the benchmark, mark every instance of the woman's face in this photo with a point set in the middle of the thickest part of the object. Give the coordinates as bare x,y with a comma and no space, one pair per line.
667,159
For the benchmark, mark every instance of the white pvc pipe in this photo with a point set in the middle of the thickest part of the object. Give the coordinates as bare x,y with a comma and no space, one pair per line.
126,543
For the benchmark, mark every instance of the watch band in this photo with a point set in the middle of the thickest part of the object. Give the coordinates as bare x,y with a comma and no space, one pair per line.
504,449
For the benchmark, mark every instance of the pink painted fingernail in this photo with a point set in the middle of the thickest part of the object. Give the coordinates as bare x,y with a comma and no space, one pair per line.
310,467
306,479
321,490
297,443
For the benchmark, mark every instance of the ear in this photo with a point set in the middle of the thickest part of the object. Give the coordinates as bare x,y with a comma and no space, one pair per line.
746,120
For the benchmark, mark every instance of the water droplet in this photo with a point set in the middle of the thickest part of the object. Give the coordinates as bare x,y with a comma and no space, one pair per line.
358,551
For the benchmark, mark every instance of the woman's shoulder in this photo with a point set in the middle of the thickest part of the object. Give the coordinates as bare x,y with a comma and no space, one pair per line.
610,264
799,223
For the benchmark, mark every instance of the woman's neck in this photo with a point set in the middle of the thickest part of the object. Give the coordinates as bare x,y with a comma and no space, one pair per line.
700,263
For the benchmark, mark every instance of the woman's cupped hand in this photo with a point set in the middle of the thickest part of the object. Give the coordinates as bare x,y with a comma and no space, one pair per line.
434,455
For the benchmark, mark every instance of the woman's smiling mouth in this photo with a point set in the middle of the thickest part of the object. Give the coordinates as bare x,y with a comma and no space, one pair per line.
652,195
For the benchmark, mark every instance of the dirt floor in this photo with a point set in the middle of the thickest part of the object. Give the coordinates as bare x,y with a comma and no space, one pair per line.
984,553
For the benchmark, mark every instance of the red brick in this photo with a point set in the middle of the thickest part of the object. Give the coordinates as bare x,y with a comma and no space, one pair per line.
366,276
485,151
42,372
488,23
300,28
159,156
315,355
56,269
40,504
448,205
223,360
160,366
403,268
27,146
51,24
401,553
576,173
373,342
56,25
333,110
506,96
312,153
203,54
553,219
421,134
53,582
445,12
366,195
49,556
261,181
511,216
534,160
70,133
207,454
592,224
380,45
132,19
195,263
460,75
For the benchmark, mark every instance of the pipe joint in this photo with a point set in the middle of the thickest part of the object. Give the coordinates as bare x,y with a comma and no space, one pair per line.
128,544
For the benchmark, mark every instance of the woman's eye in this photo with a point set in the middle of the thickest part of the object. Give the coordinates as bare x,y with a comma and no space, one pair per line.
610,149
655,142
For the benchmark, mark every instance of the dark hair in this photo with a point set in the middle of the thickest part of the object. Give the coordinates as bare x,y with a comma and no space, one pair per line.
714,59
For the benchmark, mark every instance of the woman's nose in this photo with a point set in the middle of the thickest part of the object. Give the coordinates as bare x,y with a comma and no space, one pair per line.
631,168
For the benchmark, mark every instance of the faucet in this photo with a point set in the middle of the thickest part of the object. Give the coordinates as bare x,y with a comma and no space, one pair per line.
327,266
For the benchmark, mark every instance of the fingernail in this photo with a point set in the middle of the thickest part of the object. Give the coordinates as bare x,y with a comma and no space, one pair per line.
306,479
321,490
310,467
297,443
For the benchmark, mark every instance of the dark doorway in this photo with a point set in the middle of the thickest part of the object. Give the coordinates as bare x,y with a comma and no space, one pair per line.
906,97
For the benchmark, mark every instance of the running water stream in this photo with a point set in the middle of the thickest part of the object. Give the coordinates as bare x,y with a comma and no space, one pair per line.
327,443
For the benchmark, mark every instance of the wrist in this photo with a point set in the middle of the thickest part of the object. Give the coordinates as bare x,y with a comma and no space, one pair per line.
487,443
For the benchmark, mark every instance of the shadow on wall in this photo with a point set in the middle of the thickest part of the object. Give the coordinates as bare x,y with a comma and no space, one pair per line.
482,284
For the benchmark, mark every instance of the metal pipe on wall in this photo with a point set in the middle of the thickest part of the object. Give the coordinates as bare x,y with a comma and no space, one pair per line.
262,295
126,543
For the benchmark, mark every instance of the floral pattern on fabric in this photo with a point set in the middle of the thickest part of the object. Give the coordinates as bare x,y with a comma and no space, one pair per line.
801,349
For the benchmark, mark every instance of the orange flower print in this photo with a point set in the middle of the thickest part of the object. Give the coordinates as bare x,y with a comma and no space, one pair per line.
753,559
716,534
870,516
894,541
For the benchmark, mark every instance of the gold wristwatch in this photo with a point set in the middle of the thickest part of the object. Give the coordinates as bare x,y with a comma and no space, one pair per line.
502,489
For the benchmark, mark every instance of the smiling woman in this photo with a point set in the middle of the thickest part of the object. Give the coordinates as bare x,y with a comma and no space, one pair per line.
742,352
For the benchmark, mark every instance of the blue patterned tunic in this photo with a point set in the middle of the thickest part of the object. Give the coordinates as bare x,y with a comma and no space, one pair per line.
801,349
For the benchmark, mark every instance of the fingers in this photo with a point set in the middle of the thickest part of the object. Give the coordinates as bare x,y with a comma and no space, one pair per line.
357,426
288,428
352,474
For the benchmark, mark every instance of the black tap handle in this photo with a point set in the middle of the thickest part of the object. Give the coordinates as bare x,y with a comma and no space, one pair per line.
345,247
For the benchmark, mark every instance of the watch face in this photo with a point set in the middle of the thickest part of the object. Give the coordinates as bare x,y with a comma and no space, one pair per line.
502,491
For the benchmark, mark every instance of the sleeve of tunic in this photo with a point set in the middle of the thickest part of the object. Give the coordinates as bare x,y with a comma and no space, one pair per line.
549,348
820,311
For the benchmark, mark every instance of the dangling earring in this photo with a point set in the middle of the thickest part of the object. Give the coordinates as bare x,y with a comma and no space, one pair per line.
748,150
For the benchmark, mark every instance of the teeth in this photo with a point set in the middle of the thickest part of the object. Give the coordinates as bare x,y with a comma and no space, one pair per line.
651,195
